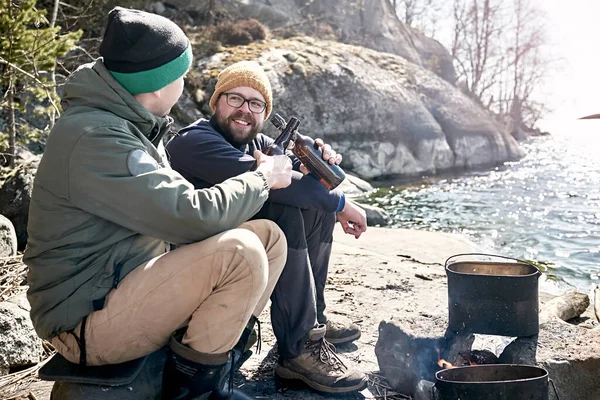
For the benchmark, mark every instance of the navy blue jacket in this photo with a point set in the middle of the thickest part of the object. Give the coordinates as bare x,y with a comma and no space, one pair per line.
204,157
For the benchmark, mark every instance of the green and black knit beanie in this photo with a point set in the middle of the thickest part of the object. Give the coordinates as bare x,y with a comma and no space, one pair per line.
144,52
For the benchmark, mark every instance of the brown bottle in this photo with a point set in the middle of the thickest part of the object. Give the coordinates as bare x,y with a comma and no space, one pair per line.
282,142
311,155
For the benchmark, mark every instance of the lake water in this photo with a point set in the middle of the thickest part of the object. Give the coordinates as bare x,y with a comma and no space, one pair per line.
545,207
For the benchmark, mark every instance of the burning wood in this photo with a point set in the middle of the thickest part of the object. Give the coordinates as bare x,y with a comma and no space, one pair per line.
472,357
478,357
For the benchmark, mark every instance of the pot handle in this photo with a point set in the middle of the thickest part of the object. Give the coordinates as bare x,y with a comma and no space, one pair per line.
491,255
554,387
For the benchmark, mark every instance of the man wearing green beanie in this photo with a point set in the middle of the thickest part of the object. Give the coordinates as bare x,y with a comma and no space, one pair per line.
210,151
105,207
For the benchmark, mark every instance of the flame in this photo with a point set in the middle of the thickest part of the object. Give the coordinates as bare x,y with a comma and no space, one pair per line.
443,363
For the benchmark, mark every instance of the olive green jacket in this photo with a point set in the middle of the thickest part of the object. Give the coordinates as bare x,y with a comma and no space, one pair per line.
104,201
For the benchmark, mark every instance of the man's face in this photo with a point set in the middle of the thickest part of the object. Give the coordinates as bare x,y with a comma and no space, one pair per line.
169,96
239,125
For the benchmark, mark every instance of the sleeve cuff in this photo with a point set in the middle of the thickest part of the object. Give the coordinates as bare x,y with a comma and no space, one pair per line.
265,183
341,204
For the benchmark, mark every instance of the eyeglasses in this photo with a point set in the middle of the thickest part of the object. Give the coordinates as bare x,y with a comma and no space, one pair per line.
236,101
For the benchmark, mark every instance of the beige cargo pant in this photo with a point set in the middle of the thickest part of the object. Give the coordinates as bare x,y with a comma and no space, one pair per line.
213,287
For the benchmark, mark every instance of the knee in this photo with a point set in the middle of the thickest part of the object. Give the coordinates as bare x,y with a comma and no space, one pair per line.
273,238
250,253
288,218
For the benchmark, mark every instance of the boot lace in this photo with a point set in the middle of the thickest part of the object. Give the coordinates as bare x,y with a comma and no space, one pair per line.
231,371
258,336
326,353
232,355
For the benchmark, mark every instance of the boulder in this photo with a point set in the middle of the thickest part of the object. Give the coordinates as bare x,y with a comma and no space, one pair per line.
8,238
433,55
387,116
372,24
15,195
19,344
375,215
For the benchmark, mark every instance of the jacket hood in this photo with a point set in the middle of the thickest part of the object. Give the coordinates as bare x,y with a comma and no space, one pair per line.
91,85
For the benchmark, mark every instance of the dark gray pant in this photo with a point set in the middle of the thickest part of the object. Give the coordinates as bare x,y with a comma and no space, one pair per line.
298,301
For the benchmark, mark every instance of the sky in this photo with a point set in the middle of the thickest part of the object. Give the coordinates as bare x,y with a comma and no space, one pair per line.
573,88
573,91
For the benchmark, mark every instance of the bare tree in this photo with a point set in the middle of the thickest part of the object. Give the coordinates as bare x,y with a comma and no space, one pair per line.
528,64
419,14
210,13
52,115
476,45
498,56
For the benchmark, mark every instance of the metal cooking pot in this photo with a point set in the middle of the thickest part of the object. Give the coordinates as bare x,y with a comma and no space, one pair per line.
493,382
495,296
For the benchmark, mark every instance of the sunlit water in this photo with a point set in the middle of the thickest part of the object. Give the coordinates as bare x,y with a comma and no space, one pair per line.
545,207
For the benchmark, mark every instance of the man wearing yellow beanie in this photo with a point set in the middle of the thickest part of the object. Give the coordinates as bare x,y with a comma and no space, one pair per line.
103,287
209,152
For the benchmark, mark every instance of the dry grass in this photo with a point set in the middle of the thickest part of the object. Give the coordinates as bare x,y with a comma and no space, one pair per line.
381,389
12,274
17,381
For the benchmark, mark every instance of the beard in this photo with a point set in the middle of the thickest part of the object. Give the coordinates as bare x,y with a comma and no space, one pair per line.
232,133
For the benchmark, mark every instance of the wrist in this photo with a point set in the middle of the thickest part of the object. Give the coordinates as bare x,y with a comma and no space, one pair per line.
341,203
264,179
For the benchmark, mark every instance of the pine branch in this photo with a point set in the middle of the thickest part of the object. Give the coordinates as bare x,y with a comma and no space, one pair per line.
36,79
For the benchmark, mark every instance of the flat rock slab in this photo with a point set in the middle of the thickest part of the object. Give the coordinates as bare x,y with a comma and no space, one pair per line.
397,275
387,274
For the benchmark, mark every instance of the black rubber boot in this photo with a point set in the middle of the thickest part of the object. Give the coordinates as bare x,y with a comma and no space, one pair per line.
249,337
193,375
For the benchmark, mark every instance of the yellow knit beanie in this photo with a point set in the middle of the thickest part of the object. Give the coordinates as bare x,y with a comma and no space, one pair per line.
243,73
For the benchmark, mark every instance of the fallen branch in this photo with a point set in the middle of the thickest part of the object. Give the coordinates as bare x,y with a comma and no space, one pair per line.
381,389
565,307
424,277
18,376
12,274
409,258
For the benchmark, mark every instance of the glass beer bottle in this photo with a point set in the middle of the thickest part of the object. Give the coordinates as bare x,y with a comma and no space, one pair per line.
311,155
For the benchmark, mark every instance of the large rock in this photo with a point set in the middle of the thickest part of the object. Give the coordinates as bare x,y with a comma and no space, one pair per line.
375,215
370,23
387,116
8,238
15,196
19,344
434,55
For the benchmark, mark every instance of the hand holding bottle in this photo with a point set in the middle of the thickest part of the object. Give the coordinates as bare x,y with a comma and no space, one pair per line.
329,155
317,158
276,169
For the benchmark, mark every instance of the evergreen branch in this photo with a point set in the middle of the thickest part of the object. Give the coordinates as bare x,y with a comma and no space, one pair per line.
36,79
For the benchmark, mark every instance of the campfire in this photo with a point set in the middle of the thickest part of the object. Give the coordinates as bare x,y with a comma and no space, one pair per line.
498,301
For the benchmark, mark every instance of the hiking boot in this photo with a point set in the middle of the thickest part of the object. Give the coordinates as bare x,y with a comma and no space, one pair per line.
341,330
320,367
